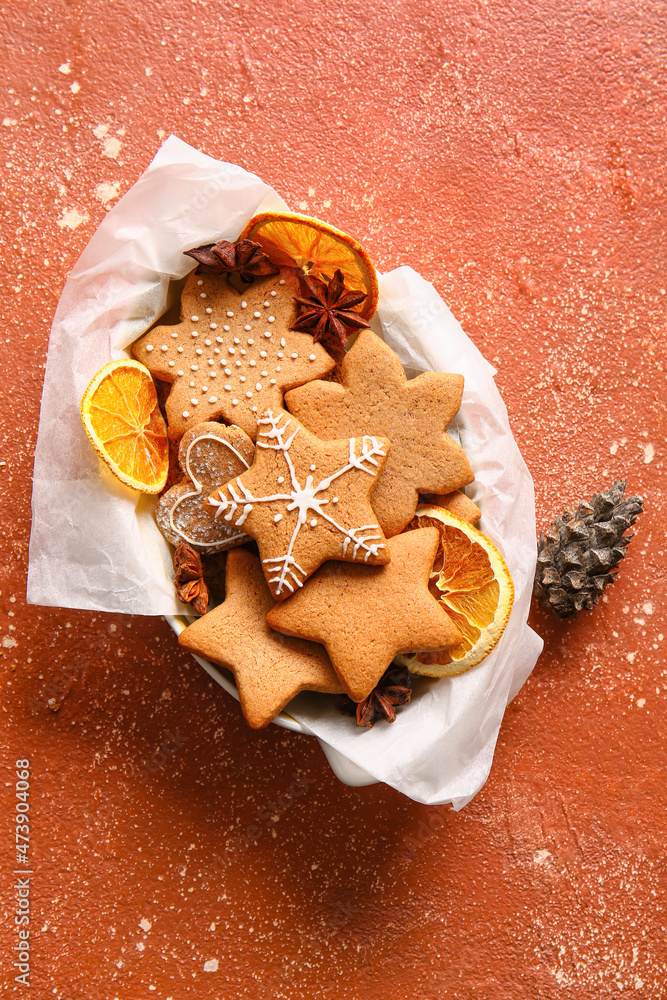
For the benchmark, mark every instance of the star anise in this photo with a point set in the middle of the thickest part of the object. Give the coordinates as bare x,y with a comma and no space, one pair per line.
245,258
328,313
394,688
189,578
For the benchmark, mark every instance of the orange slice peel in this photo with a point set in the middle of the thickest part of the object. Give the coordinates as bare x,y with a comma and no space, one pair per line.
315,247
471,581
122,419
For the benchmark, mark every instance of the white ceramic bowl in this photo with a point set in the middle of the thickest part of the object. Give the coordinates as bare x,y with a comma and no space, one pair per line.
344,769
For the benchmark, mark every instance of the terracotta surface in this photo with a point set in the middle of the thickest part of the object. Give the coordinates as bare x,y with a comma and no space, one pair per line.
514,154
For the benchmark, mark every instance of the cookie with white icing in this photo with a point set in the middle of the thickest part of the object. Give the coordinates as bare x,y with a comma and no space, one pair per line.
232,355
305,501
209,454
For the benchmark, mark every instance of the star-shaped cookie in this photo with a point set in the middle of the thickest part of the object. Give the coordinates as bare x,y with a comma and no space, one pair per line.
365,616
269,669
375,397
232,354
305,501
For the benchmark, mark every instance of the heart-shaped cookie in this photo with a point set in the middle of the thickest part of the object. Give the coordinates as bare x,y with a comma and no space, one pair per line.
209,454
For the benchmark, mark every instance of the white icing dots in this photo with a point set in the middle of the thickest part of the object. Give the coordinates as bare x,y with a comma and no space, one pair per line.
278,517
195,319
280,354
207,342
311,357
213,399
248,394
236,340
257,314
294,355
250,341
313,523
235,402
211,361
267,333
272,381
273,294
200,282
238,364
266,305
225,327
280,479
199,351
202,295
228,388
277,368
228,371
174,335
254,409
179,350
282,281
272,319
247,327
263,374
194,368
252,363
171,364
213,326
208,310
334,499
179,372
232,350
282,342
258,386
262,354
312,468
149,348
244,305
194,333
192,385
185,414
204,388
218,340
242,378
230,313
194,401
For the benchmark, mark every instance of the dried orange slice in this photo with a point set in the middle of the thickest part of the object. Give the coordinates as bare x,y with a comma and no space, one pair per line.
318,249
122,418
473,584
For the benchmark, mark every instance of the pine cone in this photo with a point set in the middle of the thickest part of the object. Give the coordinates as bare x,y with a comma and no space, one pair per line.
579,555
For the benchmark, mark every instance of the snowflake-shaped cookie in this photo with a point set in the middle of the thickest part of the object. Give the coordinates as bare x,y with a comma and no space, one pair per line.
232,355
305,501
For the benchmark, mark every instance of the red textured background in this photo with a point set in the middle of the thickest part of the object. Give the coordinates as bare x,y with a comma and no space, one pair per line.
515,155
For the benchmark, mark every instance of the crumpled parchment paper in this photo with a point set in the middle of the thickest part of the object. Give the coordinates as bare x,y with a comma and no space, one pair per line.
94,544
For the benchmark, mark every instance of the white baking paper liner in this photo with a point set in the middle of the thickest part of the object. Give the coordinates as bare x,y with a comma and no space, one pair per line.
94,544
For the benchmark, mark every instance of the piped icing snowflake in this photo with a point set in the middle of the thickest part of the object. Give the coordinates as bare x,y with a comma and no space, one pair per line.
232,355
305,501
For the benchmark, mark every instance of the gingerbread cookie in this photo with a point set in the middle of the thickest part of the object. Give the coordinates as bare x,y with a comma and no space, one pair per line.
456,503
269,669
376,398
233,354
365,616
210,454
305,501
